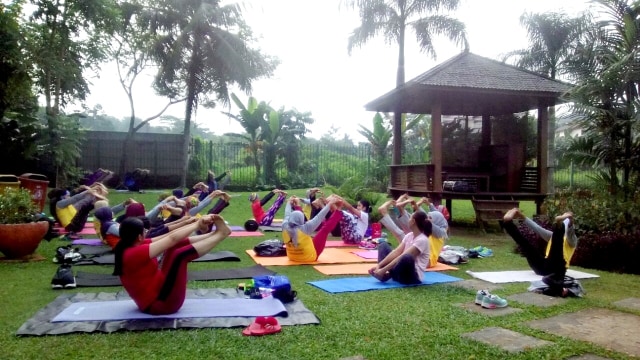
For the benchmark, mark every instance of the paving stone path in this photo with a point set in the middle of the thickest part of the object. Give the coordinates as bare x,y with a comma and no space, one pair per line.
591,325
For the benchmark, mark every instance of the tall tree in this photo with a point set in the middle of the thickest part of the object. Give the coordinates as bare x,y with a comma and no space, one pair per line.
65,39
392,19
133,43
203,48
607,72
553,38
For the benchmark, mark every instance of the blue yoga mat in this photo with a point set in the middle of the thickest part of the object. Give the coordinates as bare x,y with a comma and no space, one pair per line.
351,284
192,308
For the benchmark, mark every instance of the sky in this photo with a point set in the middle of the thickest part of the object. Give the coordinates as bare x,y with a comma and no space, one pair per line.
318,75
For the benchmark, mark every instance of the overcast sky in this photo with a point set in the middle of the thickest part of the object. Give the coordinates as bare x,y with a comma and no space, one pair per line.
317,74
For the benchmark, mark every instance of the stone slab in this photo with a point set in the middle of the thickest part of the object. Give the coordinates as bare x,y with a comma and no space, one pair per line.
587,357
610,329
630,303
475,285
471,306
506,339
531,298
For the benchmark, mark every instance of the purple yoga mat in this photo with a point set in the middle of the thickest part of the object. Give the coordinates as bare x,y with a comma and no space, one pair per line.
367,254
89,242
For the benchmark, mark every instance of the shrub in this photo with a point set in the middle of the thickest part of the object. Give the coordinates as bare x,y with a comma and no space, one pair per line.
16,206
597,211
609,251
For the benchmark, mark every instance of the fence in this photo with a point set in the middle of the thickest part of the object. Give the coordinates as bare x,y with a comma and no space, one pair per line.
310,164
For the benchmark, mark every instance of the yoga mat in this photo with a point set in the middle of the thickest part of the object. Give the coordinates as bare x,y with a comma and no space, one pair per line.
363,269
245,233
232,227
88,242
87,279
366,254
339,243
109,259
40,323
501,277
85,231
328,256
90,251
270,228
192,308
352,284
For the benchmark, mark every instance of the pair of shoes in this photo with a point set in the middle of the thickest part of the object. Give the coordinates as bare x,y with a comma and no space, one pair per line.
63,278
489,301
367,245
262,325
66,255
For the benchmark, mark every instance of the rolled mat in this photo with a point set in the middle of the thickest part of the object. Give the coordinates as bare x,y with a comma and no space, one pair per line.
87,279
41,323
352,284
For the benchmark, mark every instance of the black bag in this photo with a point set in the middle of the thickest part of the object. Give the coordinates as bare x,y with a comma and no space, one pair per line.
457,186
271,247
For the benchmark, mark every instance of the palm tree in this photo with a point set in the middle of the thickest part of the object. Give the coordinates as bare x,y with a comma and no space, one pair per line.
552,40
607,70
252,118
202,48
392,19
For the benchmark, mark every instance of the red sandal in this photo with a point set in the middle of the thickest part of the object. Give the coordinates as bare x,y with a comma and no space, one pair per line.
262,326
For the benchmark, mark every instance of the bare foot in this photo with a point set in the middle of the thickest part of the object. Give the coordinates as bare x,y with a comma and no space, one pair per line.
384,208
567,215
511,214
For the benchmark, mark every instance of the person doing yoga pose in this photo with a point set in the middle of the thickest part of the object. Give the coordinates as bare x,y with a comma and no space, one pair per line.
155,289
261,217
406,263
301,244
561,244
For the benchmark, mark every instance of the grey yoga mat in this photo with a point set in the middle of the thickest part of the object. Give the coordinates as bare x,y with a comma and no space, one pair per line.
41,324
87,279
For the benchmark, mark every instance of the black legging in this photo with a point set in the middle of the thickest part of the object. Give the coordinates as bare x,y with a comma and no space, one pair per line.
404,271
552,267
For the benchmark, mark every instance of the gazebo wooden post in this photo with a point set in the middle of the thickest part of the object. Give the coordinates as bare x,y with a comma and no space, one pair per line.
486,129
436,147
543,143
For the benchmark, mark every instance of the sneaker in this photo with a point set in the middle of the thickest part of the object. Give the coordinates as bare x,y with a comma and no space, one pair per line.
63,278
61,251
493,302
480,295
72,256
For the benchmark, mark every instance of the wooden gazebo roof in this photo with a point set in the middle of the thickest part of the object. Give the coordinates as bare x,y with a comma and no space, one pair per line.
469,84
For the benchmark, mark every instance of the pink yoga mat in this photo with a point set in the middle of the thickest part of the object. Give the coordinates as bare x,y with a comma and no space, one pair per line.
367,254
338,243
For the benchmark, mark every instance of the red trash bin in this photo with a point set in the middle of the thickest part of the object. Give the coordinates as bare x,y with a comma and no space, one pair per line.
37,185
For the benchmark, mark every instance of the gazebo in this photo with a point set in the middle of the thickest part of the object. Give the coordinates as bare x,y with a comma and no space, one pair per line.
471,85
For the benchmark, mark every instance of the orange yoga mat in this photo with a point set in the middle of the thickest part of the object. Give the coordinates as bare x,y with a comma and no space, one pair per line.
360,269
328,256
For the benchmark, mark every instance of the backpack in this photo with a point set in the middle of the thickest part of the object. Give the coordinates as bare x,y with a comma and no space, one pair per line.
278,285
271,247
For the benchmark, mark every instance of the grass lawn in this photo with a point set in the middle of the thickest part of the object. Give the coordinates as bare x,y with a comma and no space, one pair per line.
408,323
